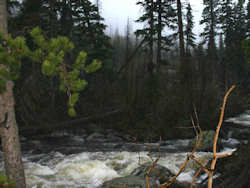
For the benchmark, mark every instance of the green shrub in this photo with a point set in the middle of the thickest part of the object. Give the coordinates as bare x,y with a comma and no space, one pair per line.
4,183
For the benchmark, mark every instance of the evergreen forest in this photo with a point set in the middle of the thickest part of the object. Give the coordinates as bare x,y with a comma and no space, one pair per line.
146,83
151,79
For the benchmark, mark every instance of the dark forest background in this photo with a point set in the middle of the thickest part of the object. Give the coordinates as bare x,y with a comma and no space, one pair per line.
151,80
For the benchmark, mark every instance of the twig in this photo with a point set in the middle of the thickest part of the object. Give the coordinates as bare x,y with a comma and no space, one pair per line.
195,176
197,144
215,156
199,136
154,162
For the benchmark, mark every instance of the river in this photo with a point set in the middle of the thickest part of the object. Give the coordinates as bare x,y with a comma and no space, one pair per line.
74,160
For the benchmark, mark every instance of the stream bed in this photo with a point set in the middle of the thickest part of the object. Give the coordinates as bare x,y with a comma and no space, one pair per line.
77,160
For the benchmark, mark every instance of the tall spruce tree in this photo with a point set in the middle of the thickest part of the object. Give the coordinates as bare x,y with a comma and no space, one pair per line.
238,61
188,32
158,15
226,19
89,30
148,33
248,20
180,31
210,19
234,27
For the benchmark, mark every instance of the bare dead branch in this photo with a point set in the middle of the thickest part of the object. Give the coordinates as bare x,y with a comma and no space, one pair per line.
195,176
215,156
199,136
154,162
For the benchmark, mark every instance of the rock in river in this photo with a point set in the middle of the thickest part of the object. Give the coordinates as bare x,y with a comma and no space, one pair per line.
137,179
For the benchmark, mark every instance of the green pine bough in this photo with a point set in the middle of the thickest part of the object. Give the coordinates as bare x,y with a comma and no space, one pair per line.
51,54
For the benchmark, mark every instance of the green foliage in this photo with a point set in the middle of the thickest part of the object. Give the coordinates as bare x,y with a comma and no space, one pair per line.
71,112
52,55
210,19
94,66
168,20
4,183
12,50
189,35
54,64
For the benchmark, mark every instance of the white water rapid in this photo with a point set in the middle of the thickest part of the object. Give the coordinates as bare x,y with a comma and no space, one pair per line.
90,169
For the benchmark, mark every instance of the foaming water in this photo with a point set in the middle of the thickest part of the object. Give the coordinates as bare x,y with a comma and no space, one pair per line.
59,169
243,119
91,169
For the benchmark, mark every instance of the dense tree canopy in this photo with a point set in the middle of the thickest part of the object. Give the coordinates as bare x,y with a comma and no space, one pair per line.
145,86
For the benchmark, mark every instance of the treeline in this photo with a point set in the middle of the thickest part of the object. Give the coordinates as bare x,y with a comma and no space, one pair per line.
155,77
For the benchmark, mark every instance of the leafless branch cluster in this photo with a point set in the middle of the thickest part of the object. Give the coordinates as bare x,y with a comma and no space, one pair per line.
198,132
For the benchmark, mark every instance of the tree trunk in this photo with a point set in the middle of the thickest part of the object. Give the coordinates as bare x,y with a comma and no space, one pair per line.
151,40
211,43
3,16
10,139
159,33
180,27
8,127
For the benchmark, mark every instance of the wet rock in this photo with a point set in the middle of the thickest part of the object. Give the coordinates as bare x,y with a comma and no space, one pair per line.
96,137
59,133
36,143
137,179
159,173
205,161
230,143
113,138
23,139
162,173
207,142
127,181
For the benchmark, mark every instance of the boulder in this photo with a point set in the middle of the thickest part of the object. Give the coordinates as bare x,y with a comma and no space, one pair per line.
159,173
127,181
207,142
136,179
113,136
96,137
162,173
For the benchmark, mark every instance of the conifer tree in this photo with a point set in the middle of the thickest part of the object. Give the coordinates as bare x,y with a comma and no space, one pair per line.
189,35
234,27
248,19
180,31
89,30
226,19
148,33
158,15
210,19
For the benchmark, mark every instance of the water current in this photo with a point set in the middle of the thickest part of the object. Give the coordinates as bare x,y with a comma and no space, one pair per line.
75,161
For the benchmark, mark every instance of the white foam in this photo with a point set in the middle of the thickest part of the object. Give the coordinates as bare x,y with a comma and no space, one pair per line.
37,169
227,151
92,169
186,177
243,119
